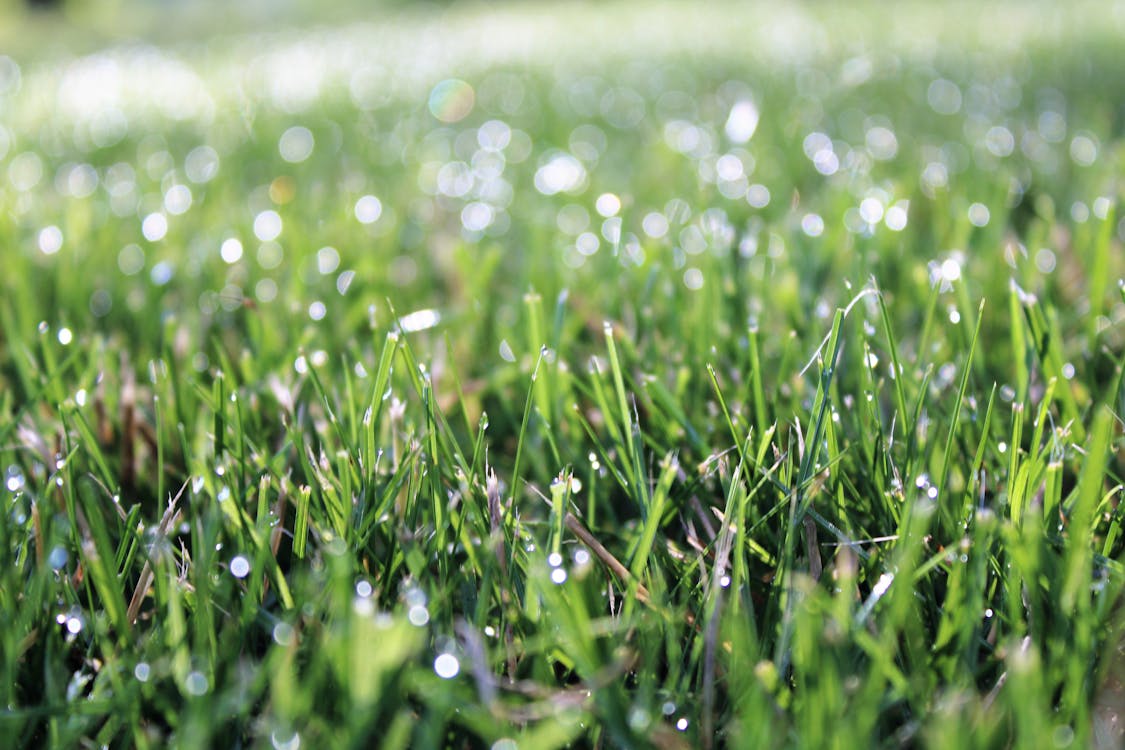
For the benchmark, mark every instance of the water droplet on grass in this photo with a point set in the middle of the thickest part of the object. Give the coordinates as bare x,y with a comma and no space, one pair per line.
50,240
285,740
607,205
240,567
638,718
812,225
154,227
267,225
758,196
344,280
446,666
742,122
14,481
142,671
58,558
177,200
283,634
196,684
944,97
296,144
896,216
871,210
161,273
979,215
560,173
451,100
327,260
201,164
230,251
368,209
418,615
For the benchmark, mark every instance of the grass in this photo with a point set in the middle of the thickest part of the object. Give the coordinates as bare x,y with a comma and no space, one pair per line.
633,396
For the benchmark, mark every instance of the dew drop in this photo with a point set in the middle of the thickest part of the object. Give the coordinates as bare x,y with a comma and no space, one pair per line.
446,666
418,615
240,567
285,740
368,209
196,683
283,634
638,718
58,558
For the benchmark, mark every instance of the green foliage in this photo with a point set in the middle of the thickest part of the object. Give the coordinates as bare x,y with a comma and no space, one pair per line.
644,396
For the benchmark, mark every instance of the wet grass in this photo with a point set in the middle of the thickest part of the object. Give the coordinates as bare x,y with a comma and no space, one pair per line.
645,397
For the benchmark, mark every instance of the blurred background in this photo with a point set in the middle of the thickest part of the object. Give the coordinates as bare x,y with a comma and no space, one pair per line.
36,29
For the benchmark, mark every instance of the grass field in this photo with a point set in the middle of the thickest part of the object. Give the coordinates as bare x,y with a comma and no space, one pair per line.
626,375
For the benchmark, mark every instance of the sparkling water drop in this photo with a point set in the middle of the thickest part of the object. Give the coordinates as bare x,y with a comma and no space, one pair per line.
240,567
446,666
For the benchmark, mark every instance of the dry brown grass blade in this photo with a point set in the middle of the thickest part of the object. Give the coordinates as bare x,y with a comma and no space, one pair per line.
812,547
145,581
128,424
587,538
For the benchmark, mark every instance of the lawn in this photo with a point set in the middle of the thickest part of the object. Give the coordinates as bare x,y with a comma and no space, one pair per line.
600,375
